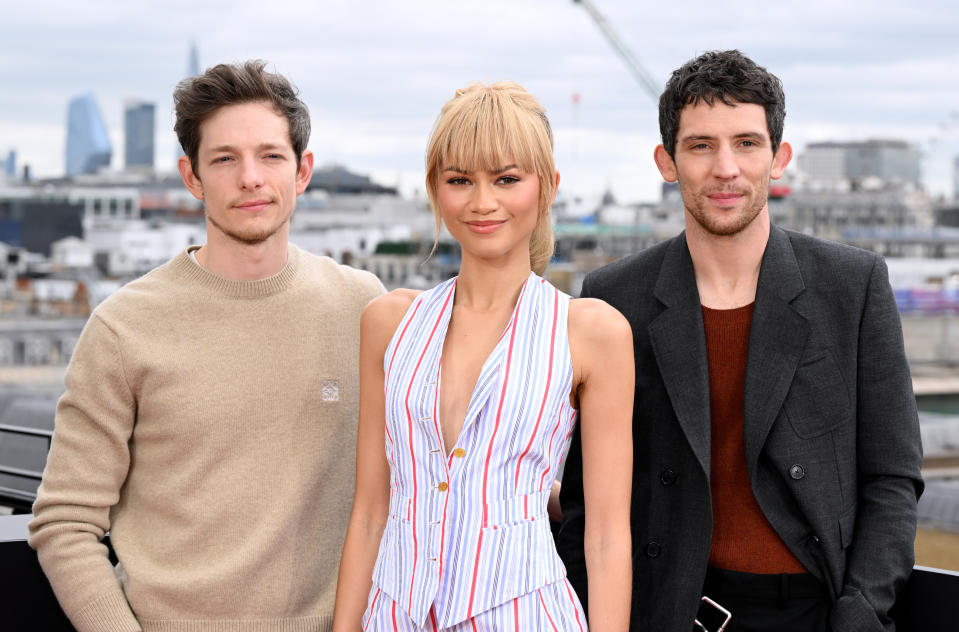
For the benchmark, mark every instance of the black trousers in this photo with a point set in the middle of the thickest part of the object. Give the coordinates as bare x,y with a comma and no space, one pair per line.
787,602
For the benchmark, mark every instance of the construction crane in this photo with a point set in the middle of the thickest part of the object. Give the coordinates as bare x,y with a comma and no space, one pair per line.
645,79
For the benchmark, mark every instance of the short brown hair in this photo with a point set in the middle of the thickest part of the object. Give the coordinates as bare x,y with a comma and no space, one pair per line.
197,98
482,126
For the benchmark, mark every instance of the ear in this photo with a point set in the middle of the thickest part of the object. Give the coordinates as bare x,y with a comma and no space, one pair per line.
665,164
783,155
305,172
555,189
190,180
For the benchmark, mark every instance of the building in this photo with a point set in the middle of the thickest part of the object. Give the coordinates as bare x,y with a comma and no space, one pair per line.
824,164
139,125
849,165
338,179
192,70
955,179
9,166
33,220
88,144
831,214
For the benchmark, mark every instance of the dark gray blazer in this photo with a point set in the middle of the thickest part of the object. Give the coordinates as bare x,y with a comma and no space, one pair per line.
831,431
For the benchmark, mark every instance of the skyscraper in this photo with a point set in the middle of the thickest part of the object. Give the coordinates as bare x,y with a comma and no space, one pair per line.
193,69
88,145
10,165
138,129
955,179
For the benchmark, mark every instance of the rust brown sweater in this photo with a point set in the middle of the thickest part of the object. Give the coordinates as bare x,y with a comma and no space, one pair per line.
743,540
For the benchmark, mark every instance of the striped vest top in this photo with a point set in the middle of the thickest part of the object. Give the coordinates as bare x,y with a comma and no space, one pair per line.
468,531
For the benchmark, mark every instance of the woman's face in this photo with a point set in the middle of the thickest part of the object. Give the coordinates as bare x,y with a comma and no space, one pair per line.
491,214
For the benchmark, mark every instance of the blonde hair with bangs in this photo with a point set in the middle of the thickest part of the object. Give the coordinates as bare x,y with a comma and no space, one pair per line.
480,129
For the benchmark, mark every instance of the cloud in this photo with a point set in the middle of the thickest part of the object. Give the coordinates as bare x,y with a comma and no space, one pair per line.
376,73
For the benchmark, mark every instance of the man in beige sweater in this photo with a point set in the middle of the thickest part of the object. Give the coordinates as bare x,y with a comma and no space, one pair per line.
210,411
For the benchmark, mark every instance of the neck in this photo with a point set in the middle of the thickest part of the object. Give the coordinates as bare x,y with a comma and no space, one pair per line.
485,286
237,261
727,266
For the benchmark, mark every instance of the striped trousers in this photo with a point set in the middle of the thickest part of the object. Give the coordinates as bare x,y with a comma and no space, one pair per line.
552,608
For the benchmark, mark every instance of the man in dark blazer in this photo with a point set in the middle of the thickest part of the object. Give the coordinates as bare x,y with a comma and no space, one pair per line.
777,450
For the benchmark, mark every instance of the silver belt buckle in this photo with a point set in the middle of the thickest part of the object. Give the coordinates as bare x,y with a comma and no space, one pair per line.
699,626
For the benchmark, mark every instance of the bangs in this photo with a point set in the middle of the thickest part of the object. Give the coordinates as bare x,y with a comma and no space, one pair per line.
487,133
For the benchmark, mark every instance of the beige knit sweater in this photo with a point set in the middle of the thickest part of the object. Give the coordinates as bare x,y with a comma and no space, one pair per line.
210,426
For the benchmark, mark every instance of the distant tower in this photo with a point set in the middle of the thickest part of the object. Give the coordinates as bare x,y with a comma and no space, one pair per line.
88,145
10,164
955,179
193,69
138,127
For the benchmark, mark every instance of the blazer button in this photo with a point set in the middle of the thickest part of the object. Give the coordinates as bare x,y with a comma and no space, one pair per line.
796,472
459,453
667,477
443,486
653,549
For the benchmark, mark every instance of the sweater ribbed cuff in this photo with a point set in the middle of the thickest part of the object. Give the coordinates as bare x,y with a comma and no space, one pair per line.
109,612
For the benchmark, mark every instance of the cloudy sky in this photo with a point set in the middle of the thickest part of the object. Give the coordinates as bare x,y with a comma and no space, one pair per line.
376,72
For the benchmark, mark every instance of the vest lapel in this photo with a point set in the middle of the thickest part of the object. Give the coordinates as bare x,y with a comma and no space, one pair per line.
494,369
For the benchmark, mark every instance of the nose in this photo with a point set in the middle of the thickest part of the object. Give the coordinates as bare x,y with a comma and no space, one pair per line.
484,200
251,177
725,166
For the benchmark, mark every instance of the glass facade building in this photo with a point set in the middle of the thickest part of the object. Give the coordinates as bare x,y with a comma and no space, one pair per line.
138,127
88,145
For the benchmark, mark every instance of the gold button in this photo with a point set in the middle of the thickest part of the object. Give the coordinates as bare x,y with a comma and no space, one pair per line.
459,453
442,486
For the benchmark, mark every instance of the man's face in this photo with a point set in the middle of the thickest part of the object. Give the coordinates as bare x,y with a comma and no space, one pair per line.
723,163
248,176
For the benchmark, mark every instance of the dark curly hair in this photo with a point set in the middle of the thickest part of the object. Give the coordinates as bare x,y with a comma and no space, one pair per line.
197,98
728,76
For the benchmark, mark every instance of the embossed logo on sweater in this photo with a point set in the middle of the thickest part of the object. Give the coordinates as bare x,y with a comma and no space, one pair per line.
330,391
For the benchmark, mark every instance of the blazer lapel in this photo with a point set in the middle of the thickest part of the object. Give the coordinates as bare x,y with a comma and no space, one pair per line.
777,338
679,344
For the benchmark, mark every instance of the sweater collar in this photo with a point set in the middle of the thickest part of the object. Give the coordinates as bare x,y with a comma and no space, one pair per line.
191,271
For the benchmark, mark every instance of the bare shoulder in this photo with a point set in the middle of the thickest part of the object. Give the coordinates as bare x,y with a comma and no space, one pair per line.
594,323
383,314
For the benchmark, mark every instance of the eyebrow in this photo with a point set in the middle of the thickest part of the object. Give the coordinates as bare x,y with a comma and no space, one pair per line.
260,147
741,135
493,171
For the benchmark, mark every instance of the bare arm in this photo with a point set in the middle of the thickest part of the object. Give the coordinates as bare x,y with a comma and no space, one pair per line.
371,502
602,344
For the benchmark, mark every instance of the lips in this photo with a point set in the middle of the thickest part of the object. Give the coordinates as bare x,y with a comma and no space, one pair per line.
484,227
252,206
726,198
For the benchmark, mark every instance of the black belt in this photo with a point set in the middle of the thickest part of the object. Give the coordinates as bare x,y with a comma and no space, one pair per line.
780,587
722,586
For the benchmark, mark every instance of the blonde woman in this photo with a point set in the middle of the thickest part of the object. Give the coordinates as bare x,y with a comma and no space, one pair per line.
468,393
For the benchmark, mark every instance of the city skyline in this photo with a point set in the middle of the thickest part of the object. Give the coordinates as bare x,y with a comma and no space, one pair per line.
375,79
